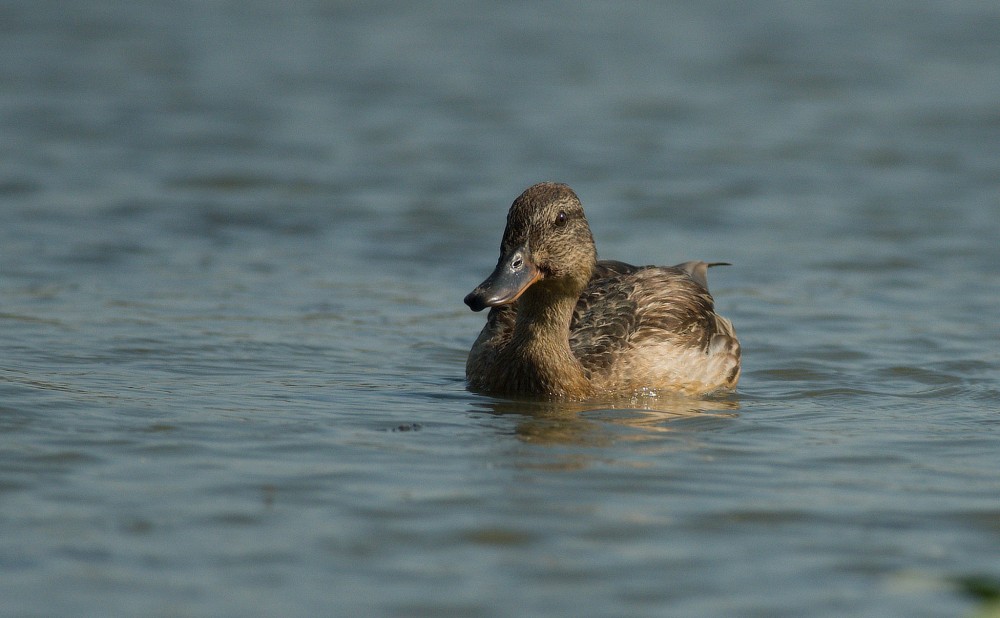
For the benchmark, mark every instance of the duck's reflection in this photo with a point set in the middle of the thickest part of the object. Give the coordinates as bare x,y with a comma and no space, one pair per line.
602,422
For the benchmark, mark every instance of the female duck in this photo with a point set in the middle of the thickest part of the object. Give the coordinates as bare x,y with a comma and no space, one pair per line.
563,325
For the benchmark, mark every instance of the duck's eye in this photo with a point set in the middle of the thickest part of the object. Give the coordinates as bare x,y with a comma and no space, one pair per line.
561,219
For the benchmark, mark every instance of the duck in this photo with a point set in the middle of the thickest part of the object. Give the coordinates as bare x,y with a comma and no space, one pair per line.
564,325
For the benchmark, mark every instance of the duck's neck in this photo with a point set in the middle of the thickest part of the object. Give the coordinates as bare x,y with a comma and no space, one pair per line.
541,333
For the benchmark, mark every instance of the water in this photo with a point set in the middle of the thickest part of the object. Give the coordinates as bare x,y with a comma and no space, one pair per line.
235,242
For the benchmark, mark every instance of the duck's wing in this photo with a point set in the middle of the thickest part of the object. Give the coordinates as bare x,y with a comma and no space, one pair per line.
675,307
678,313
605,316
629,306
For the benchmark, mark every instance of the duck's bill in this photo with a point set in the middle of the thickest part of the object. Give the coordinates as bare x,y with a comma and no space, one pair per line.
513,275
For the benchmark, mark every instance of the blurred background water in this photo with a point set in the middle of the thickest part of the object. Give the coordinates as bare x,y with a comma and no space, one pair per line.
236,235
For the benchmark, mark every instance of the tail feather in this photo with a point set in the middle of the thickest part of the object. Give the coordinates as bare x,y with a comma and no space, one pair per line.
698,270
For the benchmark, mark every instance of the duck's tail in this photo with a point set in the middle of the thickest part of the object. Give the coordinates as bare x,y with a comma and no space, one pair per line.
698,270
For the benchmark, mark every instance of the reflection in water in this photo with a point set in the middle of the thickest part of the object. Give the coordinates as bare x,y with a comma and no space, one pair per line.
601,422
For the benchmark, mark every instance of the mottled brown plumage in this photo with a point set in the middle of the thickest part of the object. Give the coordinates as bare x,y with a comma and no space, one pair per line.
563,325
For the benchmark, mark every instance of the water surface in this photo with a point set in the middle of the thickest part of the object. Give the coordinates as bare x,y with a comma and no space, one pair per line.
235,242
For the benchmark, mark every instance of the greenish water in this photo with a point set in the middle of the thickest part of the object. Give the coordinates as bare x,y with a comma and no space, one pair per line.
234,248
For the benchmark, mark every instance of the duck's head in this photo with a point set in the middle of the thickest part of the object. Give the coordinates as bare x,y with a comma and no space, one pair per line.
547,244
